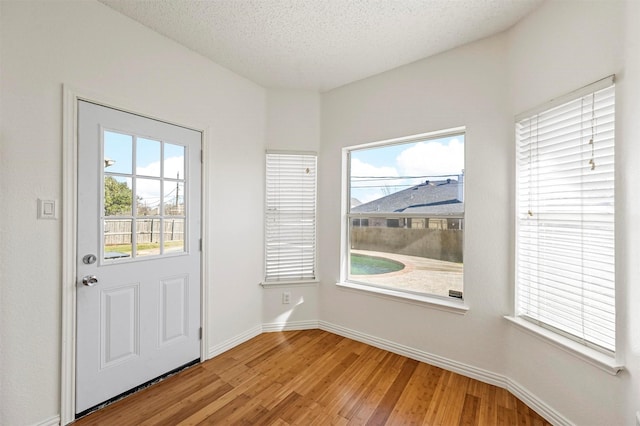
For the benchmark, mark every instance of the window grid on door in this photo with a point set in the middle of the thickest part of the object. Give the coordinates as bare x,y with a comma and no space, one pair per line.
143,203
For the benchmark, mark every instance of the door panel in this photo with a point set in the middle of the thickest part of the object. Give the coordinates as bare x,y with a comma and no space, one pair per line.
119,324
138,317
174,309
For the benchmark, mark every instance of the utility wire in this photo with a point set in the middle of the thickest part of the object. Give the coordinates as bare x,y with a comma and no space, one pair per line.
374,178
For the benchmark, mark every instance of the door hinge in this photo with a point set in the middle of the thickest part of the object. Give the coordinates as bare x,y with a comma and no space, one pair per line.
200,244
200,333
201,156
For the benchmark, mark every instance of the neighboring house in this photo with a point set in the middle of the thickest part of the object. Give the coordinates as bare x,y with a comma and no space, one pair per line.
443,199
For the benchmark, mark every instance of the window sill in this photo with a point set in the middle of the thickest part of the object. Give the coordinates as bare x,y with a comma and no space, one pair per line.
456,307
591,356
295,283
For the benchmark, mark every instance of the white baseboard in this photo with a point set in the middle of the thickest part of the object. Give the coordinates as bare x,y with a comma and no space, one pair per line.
533,402
234,341
470,371
290,326
551,415
51,421
255,331
436,360
546,411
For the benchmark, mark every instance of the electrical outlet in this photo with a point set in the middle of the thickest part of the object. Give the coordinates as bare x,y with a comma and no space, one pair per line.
455,293
286,297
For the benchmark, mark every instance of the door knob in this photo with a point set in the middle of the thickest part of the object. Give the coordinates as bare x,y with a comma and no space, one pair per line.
90,280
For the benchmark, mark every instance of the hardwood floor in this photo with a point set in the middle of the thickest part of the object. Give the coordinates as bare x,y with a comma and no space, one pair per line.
313,377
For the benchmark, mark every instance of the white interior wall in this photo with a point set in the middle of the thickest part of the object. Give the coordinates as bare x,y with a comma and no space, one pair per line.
293,123
91,47
629,176
481,85
463,87
561,47
557,49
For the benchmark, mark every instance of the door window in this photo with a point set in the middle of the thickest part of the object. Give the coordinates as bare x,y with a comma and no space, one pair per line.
144,203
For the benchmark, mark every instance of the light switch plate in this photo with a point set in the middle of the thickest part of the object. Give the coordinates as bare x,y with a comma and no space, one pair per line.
47,209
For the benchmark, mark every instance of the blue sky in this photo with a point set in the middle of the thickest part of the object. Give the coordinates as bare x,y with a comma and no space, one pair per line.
119,148
376,172
427,159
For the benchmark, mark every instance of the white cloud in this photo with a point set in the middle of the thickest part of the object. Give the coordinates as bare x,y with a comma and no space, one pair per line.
432,158
360,168
369,190
149,189
172,166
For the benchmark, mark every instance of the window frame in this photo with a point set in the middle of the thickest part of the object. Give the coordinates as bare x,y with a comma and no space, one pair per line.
134,217
275,282
598,356
447,304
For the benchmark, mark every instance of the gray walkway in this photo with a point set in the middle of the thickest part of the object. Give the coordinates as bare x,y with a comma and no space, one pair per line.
419,274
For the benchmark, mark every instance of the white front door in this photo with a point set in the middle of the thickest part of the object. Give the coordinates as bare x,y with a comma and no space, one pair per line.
138,289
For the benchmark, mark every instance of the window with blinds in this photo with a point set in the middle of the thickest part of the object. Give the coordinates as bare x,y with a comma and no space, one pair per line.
565,216
290,217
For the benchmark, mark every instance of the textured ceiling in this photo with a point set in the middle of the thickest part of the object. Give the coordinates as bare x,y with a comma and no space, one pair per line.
321,44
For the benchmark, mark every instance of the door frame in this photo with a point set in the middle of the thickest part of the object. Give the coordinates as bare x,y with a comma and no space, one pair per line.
70,98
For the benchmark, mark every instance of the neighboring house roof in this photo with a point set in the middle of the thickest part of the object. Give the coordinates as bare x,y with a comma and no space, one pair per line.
435,197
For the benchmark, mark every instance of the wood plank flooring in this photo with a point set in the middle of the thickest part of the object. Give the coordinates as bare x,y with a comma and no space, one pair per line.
313,377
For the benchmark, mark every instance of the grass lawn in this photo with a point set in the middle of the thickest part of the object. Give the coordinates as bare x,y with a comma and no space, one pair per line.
126,248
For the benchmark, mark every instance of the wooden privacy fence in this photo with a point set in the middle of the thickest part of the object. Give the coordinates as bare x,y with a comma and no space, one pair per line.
147,231
430,243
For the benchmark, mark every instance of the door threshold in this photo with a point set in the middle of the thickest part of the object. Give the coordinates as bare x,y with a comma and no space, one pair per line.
136,389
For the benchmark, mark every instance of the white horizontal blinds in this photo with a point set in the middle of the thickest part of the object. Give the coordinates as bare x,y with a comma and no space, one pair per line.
290,228
565,211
